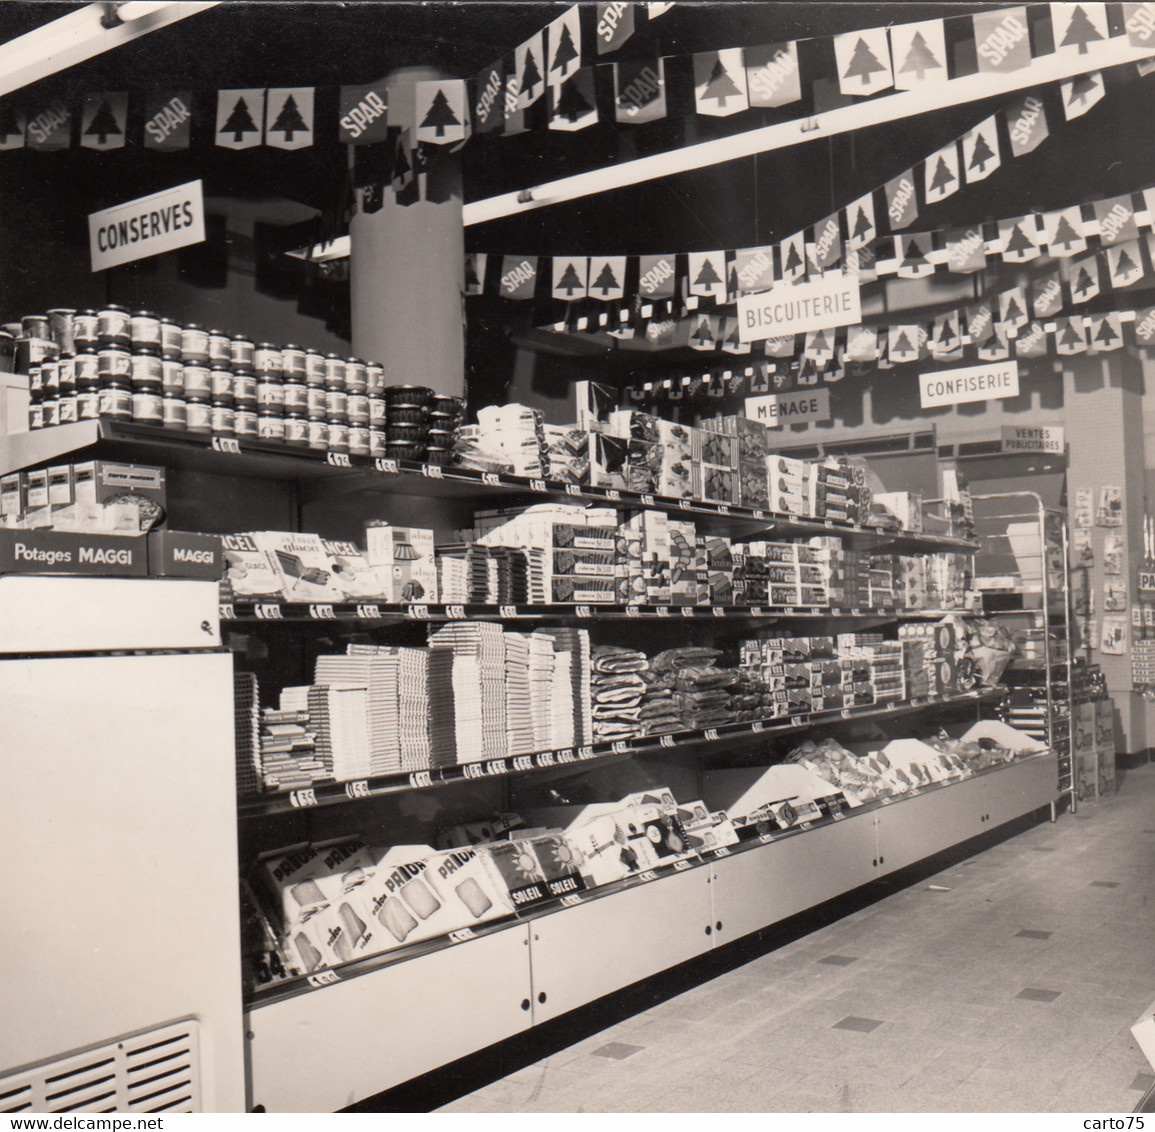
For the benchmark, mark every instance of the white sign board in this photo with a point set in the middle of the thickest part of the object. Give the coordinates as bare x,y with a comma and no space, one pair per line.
172,218
794,308
778,409
972,383
1044,438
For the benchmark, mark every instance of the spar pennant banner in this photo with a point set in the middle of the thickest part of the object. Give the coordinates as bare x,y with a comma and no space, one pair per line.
489,99
640,91
1125,264
363,117
167,120
793,253
863,62
572,105
528,61
1139,22
103,119
1026,123
49,126
656,277
1047,295
440,111
720,83
919,54
754,268
910,251
518,277
1002,40
1018,239
1063,232
860,224
564,44
828,242
615,24
1085,278
1013,307
901,205
240,118
1116,217
289,117
475,264
772,77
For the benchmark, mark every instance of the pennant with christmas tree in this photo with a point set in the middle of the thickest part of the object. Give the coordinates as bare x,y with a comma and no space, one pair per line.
861,343
1002,40
863,61
731,340
819,345
941,175
103,118
1125,264
1105,332
755,269
860,224
528,64
440,111
902,343
707,275
607,277
993,347
475,263
1084,278
780,347
570,274
518,276
1070,335
965,249
828,243
793,253
1116,217
772,77
49,126
919,53
656,277
760,380
720,82
704,336
615,24
240,118
1080,94
1139,22
289,117
1047,292
1076,25
945,342
1145,327
1063,232
363,114
1026,119
901,205
13,125
977,321
640,90
807,372
1013,307
1031,341
910,253
489,98
572,106
564,43
1017,239
981,151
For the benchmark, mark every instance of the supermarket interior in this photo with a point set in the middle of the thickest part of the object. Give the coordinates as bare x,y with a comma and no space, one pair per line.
577,557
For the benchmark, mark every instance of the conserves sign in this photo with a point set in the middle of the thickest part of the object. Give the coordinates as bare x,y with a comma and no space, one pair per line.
972,383
160,222
797,308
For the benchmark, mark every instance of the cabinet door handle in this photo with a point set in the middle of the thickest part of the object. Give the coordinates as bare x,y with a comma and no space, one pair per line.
541,997
525,1004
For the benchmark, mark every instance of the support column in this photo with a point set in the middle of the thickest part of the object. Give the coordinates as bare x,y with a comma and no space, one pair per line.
406,268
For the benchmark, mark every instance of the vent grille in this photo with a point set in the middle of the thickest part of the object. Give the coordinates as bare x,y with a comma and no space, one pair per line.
154,1071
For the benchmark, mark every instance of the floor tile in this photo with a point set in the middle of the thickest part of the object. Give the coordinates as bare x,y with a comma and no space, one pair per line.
839,960
862,1025
617,1050
1036,994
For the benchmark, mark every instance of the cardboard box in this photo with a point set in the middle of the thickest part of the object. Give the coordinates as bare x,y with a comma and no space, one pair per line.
249,571
594,404
352,574
13,497
64,552
303,564
101,481
403,559
185,554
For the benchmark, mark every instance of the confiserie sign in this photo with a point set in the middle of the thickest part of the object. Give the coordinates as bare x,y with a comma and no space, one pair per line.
160,222
794,309
972,383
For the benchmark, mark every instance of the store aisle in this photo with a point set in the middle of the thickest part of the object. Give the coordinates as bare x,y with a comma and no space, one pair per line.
1007,983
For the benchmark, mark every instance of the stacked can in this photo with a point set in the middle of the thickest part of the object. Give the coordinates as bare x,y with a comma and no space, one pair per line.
146,368
34,351
407,421
378,413
445,414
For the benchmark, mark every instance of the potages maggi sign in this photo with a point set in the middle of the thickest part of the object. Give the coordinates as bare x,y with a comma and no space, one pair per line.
172,218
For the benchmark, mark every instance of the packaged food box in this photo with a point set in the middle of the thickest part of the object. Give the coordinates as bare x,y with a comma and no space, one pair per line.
185,554
249,571
403,560
303,564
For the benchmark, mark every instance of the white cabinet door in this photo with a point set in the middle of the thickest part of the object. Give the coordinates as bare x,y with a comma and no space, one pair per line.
1019,788
911,828
763,885
324,1050
602,945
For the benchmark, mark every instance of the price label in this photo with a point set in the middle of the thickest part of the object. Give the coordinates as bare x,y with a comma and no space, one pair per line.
711,733
723,509
633,611
268,611
649,874
389,467
538,486
756,610
226,444
789,611
796,721
474,770
523,762
718,611
620,746
369,612
545,758
462,934
837,815
662,610
497,766
765,838
455,612
582,610
845,713
358,789
322,613
805,825
507,611
417,612
338,459
613,495
585,752
759,514
573,489
681,866
420,778
722,851
227,612
431,471
302,799
324,978
565,755
828,523
687,611
490,479
666,741
856,613
648,501
570,900
683,505
757,728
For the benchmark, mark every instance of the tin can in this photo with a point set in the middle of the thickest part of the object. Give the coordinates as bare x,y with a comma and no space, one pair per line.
267,359
114,365
49,378
87,370
336,406
377,413
199,417
112,326
270,427
31,352
35,417
314,368
36,383
85,335
68,410
338,438
293,363
35,326
376,442
198,383
221,385
116,402
358,441
194,345
174,413
374,379
315,403
318,435
296,399
220,349
147,373
270,395
144,331
87,406
171,339
334,372
51,411
171,377
148,408
224,420
66,367
358,409
245,390
297,432
246,424
62,329
355,378
241,352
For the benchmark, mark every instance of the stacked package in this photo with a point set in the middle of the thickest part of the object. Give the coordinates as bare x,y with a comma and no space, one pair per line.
882,671
570,692
700,690
826,490
641,468
247,732
402,558
507,438
751,449
645,557
568,451
780,573
378,673
289,759
339,718
617,688
716,477
929,662
775,797
474,694
413,735
518,694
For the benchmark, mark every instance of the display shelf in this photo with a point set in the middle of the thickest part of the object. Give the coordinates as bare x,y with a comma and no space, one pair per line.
224,456
338,793
834,809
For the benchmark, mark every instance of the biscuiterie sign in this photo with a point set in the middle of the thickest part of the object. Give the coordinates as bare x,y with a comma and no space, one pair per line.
147,226
799,307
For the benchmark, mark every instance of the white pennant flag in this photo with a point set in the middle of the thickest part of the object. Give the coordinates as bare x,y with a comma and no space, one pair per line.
942,173
981,151
919,53
289,117
863,62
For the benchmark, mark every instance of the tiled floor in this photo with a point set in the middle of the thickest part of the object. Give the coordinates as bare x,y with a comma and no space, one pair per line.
1006,983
